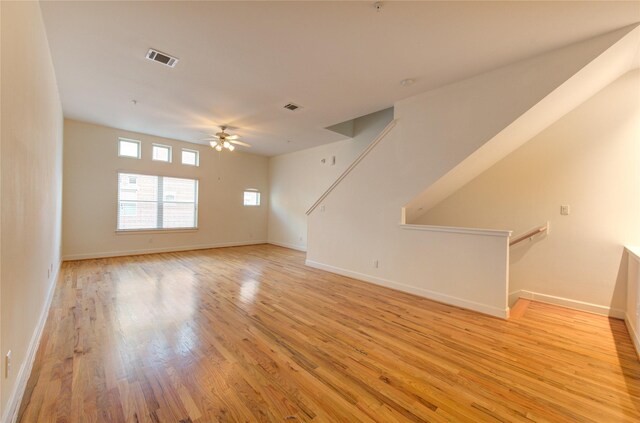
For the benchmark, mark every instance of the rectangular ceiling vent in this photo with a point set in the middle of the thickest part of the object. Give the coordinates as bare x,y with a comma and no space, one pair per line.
291,106
160,57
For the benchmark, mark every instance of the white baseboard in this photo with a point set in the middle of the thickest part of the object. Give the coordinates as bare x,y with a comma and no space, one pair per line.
432,295
567,302
633,334
10,414
85,256
288,245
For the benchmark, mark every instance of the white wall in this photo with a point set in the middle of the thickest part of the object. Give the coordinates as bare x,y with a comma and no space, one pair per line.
571,75
356,232
590,160
91,164
31,190
298,179
435,132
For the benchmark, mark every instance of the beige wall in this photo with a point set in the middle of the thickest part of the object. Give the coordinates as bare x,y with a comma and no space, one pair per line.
435,132
91,164
571,74
589,160
298,179
31,188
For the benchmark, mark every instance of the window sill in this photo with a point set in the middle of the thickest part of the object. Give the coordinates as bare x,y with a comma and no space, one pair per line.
154,231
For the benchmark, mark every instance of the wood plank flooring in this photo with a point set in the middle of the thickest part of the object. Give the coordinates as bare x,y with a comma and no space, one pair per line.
250,334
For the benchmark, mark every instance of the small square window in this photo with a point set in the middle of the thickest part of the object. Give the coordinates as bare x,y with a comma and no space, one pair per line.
161,153
251,198
128,148
190,157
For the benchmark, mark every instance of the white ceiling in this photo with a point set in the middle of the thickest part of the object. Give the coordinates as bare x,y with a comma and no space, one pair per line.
240,62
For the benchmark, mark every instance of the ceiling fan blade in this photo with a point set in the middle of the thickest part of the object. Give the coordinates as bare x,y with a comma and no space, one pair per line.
244,144
233,137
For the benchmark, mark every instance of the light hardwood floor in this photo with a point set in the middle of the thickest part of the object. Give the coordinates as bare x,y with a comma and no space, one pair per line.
250,334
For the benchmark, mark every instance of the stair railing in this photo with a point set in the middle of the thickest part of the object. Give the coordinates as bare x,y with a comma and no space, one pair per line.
530,234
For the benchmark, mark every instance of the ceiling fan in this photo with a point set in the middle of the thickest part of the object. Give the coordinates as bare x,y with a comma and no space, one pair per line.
222,140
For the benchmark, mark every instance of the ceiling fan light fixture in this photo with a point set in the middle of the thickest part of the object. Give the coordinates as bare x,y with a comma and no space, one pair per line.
224,141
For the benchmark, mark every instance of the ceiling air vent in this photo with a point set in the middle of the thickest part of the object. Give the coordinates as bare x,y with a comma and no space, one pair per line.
165,59
291,106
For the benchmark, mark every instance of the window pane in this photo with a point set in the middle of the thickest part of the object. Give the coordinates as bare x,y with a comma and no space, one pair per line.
138,187
182,190
137,215
251,198
161,153
190,157
129,149
179,215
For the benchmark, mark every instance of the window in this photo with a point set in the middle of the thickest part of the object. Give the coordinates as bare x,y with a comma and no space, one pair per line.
190,157
161,153
251,198
156,202
128,148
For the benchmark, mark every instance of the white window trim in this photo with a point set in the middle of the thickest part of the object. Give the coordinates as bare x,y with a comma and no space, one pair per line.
162,146
133,141
146,231
190,151
159,230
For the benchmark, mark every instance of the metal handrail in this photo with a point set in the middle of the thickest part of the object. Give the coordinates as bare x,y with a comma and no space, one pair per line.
362,155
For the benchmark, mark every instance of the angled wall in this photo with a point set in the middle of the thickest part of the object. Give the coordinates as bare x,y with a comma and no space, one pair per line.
540,92
358,223
589,160
297,179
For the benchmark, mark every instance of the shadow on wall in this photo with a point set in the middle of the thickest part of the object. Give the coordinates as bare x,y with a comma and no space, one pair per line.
620,288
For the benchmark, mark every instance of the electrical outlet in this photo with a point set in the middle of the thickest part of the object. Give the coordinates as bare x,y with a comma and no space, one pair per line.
7,364
565,210
375,264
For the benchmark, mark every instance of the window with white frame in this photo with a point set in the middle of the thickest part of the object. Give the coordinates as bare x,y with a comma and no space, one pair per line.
161,153
128,148
251,198
190,157
156,202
